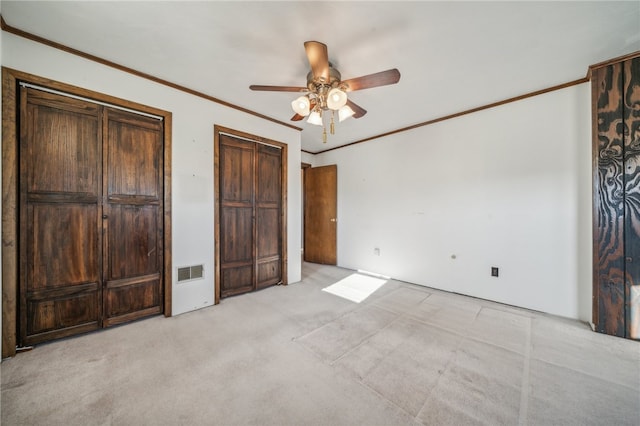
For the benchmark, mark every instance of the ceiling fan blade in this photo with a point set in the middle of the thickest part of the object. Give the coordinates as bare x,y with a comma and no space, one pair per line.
381,78
277,88
359,111
318,59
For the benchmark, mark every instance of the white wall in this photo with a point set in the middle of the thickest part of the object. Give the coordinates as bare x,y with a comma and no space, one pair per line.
308,158
192,155
507,187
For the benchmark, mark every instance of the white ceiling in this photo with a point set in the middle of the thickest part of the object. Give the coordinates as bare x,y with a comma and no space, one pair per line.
452,55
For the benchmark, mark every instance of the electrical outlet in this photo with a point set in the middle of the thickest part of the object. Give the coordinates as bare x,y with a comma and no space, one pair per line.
376,251
494,271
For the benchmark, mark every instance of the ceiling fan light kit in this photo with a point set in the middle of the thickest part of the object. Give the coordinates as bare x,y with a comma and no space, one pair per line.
301,106
345,112
336,99
315,117
326,91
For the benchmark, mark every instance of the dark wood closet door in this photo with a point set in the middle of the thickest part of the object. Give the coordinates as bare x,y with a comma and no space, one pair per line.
320,214
236,193
268,216
60,238
608,203
631,109
133,194
91,216
616,263
250,215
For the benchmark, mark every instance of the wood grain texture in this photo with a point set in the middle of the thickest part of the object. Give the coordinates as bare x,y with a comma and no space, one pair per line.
237,238
268,215
60,243
132,220
320,214
318,57
9,214
45,192
609,199
134,157
612,61
238,266
382,78
265,88
166,226
616,149
63,245
631,130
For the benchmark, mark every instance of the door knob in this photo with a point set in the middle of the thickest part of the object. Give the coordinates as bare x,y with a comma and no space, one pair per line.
333,219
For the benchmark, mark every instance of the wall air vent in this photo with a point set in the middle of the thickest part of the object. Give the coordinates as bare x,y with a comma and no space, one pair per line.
188,273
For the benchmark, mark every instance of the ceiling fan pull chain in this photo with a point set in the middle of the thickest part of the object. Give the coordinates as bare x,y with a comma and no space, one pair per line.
333,127
324,134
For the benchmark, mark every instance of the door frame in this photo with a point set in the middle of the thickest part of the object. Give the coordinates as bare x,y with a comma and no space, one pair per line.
10,252
216,203
303,167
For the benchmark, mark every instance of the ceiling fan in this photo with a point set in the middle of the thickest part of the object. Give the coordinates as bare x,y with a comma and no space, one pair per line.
326,91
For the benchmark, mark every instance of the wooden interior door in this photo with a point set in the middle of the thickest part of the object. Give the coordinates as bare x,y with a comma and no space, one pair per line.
132,216
320,214
91,216
250,215
608,216
631,120
268,215
236,196
616,186
60,239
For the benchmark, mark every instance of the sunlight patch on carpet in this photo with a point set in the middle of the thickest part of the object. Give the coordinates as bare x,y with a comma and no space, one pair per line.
355,287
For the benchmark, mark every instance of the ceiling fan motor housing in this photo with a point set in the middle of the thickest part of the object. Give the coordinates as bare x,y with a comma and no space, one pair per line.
319,87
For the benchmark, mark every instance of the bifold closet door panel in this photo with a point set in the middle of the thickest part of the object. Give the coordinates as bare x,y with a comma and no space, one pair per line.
609,202
268,216
63,290
236,193
616,291
132,216
59,228
631,109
